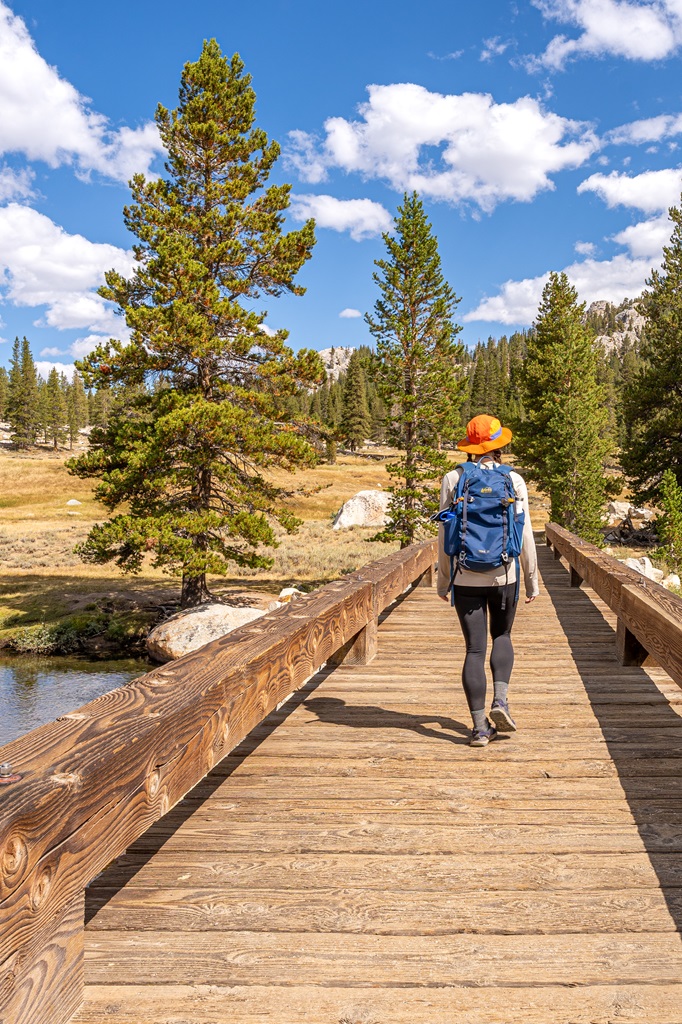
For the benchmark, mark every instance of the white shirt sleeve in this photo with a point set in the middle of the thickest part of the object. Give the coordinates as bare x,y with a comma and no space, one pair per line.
447,491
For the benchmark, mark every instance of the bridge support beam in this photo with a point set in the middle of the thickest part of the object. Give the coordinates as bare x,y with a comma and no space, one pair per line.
47,988
574,578
629,651
360,649
428,577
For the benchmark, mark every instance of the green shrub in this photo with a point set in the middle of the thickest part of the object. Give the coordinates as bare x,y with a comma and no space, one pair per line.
669,524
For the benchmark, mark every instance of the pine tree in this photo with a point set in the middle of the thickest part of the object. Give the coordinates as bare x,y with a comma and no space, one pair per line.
188,461
56,410
653,399
77,406
43,412
669,524
99,406
355,421
478,399
22,397
4,391
417,374
563,441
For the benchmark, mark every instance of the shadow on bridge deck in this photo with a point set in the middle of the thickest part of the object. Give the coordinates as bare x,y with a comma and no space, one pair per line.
643,736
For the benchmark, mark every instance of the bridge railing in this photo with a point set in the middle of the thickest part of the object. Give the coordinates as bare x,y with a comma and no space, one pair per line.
92,782
649,616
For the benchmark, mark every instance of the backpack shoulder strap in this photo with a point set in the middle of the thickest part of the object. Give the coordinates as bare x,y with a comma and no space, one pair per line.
467,471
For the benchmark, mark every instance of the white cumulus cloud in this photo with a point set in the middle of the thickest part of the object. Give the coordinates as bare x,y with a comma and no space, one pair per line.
649,129
613,280
45,118
43,265
363,218
647,238
44,366
650,191
457,148
15,184
585,248
632,29
83,346
494,47
350,314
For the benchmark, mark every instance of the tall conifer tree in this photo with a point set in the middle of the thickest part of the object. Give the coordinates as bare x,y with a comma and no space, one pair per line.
4,390
419,372
355,421
77,406
563,440
190,459
653,396
22,398
56,412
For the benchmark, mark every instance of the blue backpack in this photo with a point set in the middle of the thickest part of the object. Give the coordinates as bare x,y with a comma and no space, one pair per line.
483,529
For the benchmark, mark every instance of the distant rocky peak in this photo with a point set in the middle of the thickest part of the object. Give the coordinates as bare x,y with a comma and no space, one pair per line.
616,326
335,360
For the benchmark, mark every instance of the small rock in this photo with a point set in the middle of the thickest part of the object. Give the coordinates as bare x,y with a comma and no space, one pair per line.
74,501
642,513
672,580
644,566
366,508
288,594
274,605
620,509
190,629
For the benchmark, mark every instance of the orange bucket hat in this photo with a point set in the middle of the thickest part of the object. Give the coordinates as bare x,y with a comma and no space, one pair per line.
484,434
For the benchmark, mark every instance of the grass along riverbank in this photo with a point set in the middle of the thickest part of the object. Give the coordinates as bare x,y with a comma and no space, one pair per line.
51,602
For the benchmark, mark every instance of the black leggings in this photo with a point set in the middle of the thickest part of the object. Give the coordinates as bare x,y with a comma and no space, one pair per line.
473,605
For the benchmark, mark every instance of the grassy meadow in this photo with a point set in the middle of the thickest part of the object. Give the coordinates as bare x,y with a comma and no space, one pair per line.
50,600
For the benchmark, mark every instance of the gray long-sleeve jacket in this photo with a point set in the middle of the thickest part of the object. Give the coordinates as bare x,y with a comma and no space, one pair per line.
493,577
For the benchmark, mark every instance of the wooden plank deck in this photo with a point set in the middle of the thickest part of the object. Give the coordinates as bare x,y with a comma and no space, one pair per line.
356,862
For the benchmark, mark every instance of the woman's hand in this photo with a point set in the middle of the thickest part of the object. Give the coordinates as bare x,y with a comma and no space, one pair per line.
529,599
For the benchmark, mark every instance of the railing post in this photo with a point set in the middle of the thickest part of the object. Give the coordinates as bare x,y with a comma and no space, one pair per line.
427,578
43,983
574,577
360,649
629,651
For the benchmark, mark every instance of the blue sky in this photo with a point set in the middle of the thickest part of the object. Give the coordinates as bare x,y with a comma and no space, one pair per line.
542,136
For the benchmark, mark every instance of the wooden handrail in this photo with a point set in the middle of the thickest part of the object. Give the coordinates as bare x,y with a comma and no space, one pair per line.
649,616
96,779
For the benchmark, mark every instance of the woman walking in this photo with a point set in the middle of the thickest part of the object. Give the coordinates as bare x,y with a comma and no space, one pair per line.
486,597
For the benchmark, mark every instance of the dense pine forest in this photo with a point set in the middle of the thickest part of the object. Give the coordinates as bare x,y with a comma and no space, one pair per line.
344,411
189,414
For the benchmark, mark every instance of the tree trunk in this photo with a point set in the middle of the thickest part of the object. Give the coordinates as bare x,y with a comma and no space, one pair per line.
194,591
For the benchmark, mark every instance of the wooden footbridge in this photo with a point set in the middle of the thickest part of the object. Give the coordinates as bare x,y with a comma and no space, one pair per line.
190,850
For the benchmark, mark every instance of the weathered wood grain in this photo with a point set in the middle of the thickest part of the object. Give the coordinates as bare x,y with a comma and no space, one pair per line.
436,873
355,845
361,910
371,836
42,981
650,617
99,777
308,1004
243,958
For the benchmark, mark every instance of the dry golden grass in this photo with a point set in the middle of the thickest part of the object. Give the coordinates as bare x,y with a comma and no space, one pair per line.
42,579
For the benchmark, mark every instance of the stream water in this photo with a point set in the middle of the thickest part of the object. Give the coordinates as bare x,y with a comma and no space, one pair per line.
34,691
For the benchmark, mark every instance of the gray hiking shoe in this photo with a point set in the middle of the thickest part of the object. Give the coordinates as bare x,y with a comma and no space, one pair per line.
499,713
482,737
